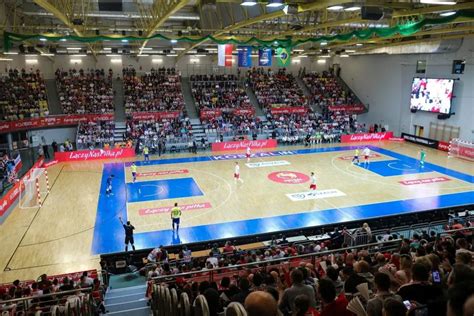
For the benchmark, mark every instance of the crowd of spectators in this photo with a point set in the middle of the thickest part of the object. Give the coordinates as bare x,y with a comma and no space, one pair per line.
278,88
427,274
84,282
218,92
23,95
326,90
95,134
156,133
85,91
157,90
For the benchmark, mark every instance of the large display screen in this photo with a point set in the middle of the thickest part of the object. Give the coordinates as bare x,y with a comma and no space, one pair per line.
432,95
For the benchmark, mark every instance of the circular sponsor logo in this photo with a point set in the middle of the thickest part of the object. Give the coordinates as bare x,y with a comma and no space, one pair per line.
288,177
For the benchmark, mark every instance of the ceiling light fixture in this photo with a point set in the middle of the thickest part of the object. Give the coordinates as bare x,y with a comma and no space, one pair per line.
43,39
359,44
449,13
75,61
173,41
31,61
125,41
321,61
275,3
6,59
344,55
10,53
143,55
116,60
248,3
335,8
47,54
112,55
79,55
157,60
438,2
172,55
323,43
353,8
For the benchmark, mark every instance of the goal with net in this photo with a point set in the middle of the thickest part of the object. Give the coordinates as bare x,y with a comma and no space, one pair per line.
35,187
459,148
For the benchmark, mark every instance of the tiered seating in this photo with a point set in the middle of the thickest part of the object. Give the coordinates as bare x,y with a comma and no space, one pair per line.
327,91
85,295
83,92
223,92
349,279
95,134
278,88
153,132
158,90
23,95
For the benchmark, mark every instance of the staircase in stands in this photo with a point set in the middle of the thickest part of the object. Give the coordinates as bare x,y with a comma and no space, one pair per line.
130,301
119,131
197,129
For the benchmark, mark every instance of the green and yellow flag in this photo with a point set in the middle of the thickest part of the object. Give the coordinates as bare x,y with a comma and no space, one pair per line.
283,57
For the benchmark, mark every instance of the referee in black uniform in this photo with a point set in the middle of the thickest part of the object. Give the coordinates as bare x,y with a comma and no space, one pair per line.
128,234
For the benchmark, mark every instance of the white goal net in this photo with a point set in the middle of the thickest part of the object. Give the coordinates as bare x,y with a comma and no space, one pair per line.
35,188
459,148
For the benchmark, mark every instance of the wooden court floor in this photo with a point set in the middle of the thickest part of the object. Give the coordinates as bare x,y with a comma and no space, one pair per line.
58,237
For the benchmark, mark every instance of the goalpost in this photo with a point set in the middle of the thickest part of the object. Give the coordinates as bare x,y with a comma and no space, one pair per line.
34,189
459,148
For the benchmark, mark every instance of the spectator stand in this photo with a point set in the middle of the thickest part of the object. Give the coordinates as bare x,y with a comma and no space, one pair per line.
82,92
98,134
23,95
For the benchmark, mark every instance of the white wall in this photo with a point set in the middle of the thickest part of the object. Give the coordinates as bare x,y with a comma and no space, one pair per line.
60,135
207,64
384,82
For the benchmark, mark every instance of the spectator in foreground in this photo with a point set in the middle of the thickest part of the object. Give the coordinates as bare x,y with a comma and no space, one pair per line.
331,305
420,290
382,286
261,303
287,304
392,307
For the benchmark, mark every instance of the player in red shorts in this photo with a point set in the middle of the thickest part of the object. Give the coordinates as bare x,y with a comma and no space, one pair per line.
248,153
312,186
237,173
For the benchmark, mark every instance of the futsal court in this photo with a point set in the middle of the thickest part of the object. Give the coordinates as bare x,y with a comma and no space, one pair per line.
78,221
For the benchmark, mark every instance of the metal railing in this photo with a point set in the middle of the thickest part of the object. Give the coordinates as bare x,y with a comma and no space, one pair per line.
218,273
73,302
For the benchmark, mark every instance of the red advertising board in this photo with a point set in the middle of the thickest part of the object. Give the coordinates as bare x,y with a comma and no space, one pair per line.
290,110
444,146
10,197
155,115
95,154
366,137
206,114
50,121
356,108
424,181
243,144
466,152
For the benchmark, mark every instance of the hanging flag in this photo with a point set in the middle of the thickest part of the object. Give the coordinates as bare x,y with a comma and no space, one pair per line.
265,57
244,56
224,55
283,57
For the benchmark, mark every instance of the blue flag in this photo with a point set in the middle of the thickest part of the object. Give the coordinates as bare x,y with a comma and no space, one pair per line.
265,57
244,56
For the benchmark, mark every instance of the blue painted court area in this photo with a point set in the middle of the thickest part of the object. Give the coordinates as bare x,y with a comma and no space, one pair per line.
389,168
162,190
109,234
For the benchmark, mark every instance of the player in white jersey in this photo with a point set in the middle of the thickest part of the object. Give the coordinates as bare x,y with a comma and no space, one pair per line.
237,173
248,153
312,186
366,154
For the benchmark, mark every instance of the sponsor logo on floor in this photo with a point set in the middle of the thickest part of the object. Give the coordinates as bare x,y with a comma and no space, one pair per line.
360,156
267,164
167,209
424,181
288,177
162,173
314,195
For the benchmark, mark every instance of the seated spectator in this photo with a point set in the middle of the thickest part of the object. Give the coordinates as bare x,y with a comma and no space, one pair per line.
330,305
287,304
261,303
83,92
420,289
95,134
393,307
382,288
244,291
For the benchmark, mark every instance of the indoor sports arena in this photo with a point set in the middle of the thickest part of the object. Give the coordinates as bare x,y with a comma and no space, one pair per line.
237,157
